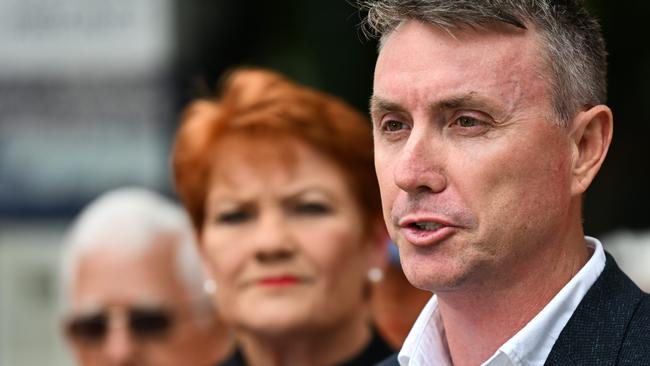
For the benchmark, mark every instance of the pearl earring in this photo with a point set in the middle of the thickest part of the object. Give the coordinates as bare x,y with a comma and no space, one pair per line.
375,274
210,287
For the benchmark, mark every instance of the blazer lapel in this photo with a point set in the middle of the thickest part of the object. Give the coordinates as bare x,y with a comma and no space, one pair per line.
594,334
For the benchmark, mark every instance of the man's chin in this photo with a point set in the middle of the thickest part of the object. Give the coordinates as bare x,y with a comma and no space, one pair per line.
432,276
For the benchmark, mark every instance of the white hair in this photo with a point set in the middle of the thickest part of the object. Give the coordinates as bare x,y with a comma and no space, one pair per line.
134,218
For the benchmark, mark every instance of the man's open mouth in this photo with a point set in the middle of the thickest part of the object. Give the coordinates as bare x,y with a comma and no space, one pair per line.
426,225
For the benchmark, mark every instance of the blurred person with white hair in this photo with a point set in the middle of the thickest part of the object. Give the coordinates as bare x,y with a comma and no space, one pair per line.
631,248
132,286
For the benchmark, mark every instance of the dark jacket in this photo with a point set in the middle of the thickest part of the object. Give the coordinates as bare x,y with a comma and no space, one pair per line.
611,325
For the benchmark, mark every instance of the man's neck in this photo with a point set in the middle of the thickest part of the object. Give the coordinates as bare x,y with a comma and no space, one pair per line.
478,320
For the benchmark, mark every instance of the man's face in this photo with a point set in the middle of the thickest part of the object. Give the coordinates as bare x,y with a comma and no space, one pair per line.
129,308
474,175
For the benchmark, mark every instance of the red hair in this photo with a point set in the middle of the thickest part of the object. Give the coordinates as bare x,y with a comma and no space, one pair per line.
260,102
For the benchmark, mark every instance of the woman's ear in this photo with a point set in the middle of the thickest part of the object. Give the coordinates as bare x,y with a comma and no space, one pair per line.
209,282
378,245
592,134
206,268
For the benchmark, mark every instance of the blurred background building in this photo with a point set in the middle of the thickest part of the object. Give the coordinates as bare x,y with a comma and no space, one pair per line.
90,92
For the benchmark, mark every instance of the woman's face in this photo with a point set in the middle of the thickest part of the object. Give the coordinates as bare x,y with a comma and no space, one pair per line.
284,238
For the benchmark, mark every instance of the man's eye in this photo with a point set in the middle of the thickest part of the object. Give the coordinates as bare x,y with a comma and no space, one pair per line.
312,208
233,217
393,125
467,122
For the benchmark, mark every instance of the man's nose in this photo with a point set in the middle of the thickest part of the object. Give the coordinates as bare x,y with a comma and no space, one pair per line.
420,165
119,346
272,239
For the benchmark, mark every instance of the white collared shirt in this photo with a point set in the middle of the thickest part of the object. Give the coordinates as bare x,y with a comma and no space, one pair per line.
426,343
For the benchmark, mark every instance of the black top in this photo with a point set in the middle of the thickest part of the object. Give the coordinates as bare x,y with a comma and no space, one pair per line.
376,350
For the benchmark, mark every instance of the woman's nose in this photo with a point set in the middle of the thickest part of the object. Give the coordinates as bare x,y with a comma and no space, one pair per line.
273,240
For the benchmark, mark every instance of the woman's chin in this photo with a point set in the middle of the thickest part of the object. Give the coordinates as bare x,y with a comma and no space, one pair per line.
276,328
277,317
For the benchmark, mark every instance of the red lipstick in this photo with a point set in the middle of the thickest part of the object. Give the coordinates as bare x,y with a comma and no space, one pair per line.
279,281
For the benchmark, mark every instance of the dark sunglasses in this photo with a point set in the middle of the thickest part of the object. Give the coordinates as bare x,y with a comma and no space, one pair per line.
142,323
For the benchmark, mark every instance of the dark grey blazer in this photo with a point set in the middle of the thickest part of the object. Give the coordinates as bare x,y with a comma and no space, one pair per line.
611,326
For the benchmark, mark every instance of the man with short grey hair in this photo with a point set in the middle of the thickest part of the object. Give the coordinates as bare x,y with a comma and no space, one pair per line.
489,124
132,286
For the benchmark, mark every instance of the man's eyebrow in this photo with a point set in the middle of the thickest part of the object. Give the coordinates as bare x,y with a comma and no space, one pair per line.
472,100
379,104
466,100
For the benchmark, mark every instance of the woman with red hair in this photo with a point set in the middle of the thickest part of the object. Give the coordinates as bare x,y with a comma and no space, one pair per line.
280,184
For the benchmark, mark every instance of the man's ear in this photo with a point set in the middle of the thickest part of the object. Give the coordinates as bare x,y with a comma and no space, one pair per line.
591,133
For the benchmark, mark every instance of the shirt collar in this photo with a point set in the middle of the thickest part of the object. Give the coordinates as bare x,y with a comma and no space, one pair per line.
426,342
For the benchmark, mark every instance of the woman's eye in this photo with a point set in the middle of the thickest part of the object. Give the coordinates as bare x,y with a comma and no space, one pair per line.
233,217
312,208
468,122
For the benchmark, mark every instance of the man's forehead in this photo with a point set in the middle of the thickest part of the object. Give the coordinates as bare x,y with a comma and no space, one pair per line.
426,64
108,277
416,44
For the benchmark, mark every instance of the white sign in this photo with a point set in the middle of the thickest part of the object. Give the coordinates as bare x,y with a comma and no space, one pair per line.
85,99
54,37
